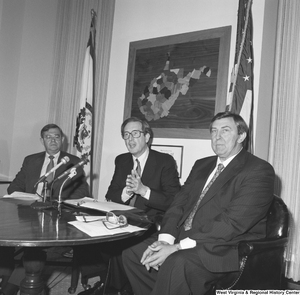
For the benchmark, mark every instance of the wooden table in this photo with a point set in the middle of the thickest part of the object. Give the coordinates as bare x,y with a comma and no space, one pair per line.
23,226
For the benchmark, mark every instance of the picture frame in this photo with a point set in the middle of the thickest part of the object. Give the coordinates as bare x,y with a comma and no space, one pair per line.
168,83
176,151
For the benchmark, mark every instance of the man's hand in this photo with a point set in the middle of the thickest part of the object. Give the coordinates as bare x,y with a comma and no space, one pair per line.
134,184
156,254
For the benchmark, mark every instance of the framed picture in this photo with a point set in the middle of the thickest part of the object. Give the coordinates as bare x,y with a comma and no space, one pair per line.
176,151
178,83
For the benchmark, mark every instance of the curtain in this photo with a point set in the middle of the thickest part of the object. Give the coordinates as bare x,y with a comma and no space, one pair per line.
284,151
71,36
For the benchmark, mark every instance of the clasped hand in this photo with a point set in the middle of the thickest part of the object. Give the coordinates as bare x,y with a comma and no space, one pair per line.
155,255
134,184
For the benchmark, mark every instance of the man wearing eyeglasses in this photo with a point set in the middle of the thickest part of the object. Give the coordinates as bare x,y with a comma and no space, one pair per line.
154,189
34,166
143,178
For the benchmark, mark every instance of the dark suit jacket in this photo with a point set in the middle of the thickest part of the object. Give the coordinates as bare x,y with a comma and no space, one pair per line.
159,174
234,208
29,174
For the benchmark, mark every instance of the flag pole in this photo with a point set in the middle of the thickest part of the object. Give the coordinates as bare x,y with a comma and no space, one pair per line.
94,19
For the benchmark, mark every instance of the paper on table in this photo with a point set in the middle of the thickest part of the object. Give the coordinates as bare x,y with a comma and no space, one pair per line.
22,196
87,218
97,228
97,205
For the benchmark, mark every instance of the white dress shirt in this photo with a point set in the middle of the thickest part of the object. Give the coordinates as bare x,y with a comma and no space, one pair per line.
44,169
142,159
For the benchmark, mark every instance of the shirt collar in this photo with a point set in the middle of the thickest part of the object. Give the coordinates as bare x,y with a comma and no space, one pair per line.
142,158
227,161
56,156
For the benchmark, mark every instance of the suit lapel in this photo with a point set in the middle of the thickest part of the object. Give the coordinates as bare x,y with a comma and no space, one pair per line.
62,168
233,168
36,172
200,179
203,175
149,168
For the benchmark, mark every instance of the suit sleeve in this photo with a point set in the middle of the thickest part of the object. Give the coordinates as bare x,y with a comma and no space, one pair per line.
163,195
77,187
242,210
117,183
19,182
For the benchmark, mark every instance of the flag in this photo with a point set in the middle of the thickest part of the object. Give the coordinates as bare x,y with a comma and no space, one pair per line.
83,139
240,96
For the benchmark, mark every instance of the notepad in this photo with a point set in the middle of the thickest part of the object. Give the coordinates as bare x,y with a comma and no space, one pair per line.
91,203
22,196
97,228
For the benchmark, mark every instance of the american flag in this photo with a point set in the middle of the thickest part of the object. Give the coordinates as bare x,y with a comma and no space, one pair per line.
240,96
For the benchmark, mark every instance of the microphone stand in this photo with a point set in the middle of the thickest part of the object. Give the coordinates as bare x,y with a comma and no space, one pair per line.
73,172
46,204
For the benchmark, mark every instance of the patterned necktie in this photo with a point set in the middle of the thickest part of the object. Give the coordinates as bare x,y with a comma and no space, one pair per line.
138,167
50,177
139,171
189,220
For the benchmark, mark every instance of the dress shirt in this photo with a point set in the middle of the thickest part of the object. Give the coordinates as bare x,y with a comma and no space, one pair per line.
142,159
44,169
187,242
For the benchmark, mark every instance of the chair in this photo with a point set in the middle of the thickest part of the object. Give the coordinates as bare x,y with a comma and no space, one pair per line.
262,261
86,272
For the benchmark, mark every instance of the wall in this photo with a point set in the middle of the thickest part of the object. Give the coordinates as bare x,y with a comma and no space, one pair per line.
27,31
265,89
138,20
26,51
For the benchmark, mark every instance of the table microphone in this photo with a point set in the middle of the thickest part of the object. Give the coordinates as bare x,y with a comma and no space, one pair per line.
63,161
81,163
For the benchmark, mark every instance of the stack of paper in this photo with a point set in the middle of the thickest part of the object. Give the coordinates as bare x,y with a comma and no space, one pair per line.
94,226
98,205
23,196
97,228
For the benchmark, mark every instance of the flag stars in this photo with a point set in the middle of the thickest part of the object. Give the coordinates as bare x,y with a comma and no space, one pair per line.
246,78
249,59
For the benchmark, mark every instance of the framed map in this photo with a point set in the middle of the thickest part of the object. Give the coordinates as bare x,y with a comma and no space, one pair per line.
178,83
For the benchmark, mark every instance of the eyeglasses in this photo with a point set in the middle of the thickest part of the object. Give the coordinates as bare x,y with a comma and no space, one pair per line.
134,134
49,137
113,221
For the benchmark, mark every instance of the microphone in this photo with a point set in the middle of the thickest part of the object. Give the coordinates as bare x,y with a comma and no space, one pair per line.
63,161
81,163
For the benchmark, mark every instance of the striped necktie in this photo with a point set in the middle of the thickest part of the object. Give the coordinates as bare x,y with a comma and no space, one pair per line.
188,222
139,171
138,167
50,177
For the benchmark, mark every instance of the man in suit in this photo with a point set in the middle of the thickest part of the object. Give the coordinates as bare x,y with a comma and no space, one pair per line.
34,166
149,184
153,190
196,245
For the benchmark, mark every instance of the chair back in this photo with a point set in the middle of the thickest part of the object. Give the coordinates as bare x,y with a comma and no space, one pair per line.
277,219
